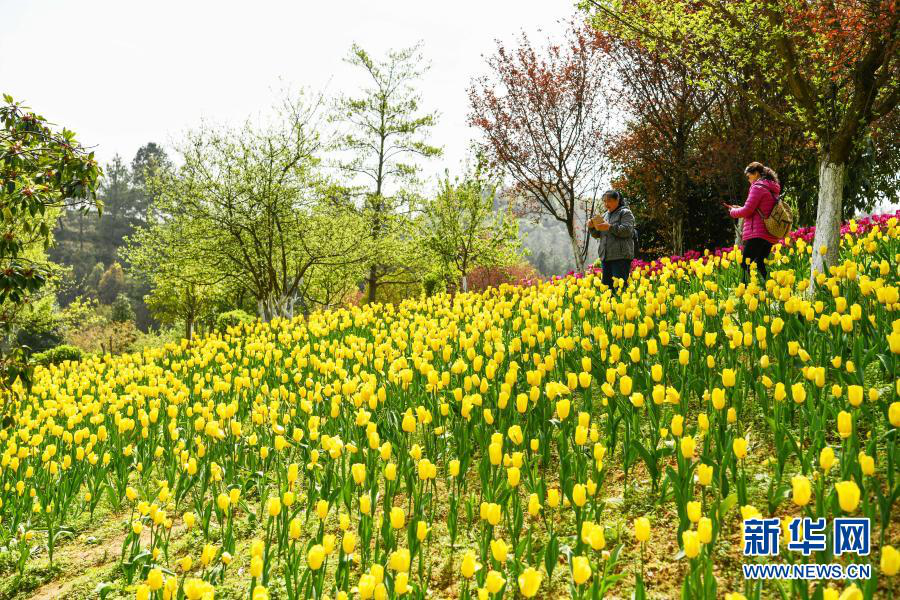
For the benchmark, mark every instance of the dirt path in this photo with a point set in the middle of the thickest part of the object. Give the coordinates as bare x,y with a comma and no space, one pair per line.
83,557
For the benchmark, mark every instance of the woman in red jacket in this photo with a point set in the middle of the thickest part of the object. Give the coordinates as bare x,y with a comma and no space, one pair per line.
764,191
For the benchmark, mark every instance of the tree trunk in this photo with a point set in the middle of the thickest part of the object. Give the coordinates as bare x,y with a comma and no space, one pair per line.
678,236
465,283
828,217
189,327
373,283
576,251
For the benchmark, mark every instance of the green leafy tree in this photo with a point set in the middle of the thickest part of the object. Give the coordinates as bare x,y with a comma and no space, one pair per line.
250,204
464,231
386,131
121,310
41,171
111,284
835,62
185,285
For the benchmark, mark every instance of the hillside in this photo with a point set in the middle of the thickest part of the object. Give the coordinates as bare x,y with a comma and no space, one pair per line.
511,441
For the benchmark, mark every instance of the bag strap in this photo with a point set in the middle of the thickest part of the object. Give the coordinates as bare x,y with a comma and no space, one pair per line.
774,197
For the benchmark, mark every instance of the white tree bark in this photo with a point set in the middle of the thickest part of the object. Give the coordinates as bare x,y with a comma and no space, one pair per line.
828,217
465,283
576,252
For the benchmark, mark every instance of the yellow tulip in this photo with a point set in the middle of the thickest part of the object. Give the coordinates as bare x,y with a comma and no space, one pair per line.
739,445
798,393
529,582
494,582
499,550
399,560
691,543
890,560
398,517
866,464
421,530
256,566
688,445
718,398
704,530
579,495
848,495
844,424
642,529
315,557
401,584
358,471
801,490
677,425
534,505
553,498
826,458
852,593
694,511
704,474
154,579
513,476
469,565
581,569
728,377
273,507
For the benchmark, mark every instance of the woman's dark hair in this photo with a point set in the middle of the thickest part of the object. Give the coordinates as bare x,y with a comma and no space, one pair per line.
614,194
761,170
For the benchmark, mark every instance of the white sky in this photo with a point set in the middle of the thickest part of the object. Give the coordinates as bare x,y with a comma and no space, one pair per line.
123,73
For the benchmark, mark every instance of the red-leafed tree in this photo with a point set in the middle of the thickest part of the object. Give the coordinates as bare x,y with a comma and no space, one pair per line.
684,148
544,117
835,62
658,154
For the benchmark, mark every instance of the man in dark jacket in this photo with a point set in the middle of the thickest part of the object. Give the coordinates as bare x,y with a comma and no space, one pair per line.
615,233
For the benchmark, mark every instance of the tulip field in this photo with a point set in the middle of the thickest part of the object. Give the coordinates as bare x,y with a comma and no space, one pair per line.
550,440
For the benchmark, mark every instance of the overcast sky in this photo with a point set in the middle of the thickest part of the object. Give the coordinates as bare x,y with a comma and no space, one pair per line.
123,73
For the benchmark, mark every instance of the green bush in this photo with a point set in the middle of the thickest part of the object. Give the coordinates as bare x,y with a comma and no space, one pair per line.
233,318
121,310
57,355
38,326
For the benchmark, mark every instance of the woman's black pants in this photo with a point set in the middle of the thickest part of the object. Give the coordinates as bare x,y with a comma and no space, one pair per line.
618,269
756,250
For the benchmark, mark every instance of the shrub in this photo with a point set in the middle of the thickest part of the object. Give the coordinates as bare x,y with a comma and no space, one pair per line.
155,339
121,309
57,355
233,318
38,326
481,278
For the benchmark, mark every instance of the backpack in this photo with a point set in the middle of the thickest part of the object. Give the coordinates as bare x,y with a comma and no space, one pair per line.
779,221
